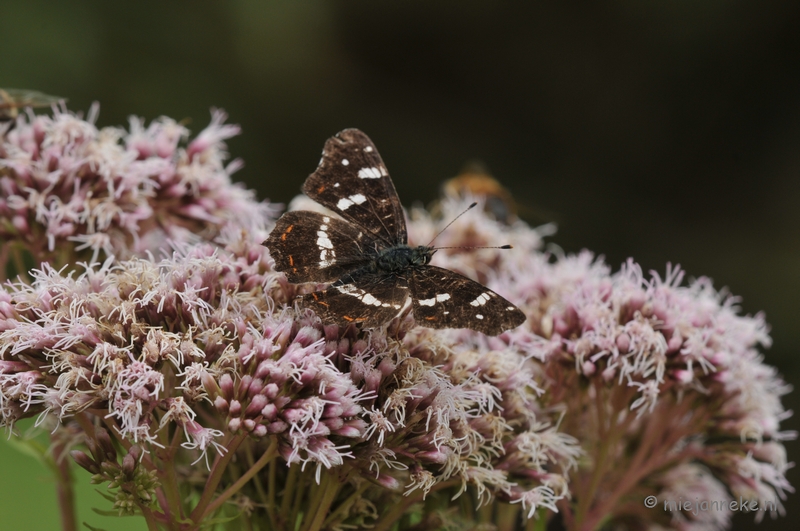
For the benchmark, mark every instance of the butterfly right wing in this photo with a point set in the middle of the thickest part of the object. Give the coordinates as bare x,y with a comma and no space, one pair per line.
352,181
312,247
445,299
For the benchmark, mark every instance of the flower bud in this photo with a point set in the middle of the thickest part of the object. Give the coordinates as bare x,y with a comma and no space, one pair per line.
85,462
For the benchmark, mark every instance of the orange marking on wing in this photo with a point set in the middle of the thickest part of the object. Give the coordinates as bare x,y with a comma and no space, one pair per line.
286,232
430,318
348,318
315,296
321,189
291,260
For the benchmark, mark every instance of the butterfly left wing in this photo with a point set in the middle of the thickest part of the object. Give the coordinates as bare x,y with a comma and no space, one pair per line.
367,298
442,298
352,181
312,247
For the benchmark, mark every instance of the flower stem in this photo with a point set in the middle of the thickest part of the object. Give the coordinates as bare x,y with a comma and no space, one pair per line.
66,494
217,471
271,452
328,489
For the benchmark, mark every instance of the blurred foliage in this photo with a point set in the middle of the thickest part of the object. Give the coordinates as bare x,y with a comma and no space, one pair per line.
666,131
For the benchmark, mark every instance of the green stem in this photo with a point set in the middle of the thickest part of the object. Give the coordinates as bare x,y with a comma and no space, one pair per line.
258,484
168,476
345,505
301,483
271,452
66,494
397,512
214,478
288,490
328,489
271,486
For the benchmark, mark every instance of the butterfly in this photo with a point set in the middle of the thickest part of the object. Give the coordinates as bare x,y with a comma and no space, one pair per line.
365,253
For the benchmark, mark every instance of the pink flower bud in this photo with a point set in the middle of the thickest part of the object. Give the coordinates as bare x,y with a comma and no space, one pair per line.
257,403
269,412
221,404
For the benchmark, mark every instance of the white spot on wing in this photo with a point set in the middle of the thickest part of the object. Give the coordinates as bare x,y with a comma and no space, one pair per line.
370,173
346,202
368,149
327,257
323,242
345,162
479,316
367,298
349,289
481,300
441,297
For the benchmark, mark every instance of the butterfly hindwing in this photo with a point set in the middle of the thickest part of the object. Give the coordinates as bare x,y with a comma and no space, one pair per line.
442,298
368,299
352,181
312,247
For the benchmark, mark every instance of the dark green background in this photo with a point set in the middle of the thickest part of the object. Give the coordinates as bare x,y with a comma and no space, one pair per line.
667,130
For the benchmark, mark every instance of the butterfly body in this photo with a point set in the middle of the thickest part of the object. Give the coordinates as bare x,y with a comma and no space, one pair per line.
399,258
373,270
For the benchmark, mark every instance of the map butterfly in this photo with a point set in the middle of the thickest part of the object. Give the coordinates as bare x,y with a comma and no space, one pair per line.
366,254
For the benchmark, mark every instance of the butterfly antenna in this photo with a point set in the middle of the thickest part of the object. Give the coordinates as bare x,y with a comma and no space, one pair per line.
473,205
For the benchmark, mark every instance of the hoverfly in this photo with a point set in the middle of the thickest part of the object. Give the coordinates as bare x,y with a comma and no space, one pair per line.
12,100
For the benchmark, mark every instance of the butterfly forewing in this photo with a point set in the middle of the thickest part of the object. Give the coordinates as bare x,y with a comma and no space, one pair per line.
366,298
442,298
352,181
312,247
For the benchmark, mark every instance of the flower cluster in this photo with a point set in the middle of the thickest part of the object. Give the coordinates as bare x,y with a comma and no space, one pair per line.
198,347
670,375
196,388
70,191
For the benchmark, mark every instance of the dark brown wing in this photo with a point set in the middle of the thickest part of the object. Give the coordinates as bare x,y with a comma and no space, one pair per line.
366,298
352,181
442,298
313,247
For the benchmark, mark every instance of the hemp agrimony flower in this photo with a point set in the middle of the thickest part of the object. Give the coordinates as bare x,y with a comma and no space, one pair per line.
201,396
71,191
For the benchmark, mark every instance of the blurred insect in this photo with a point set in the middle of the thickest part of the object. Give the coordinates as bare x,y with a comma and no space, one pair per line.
474,180
12,100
